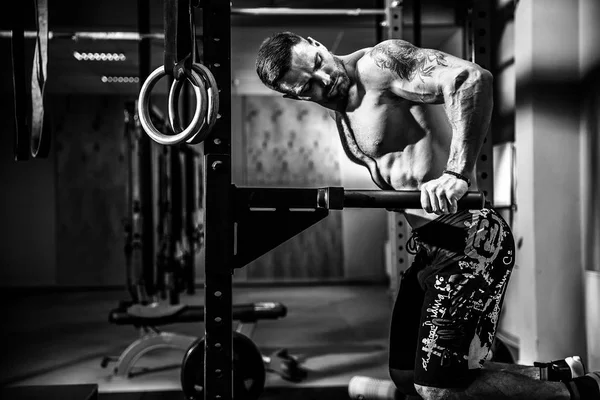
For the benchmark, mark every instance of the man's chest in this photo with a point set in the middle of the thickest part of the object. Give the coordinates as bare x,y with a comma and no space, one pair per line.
381,125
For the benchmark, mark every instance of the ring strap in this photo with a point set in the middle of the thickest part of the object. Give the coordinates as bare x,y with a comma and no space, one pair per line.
40,135
178,43
212,95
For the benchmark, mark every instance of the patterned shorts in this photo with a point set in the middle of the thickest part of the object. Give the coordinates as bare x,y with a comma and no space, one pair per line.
449,302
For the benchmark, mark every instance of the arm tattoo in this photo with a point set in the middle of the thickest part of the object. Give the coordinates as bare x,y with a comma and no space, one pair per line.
406,60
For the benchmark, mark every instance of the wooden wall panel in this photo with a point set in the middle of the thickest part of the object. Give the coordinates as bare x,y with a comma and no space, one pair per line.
27,194
294,144
91,174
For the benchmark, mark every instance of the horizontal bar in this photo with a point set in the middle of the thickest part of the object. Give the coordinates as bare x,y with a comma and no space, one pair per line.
136,37
405,199
336,198
122,36
274,198
350,12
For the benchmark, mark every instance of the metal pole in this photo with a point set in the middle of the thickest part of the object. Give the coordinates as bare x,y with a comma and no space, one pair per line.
136,37
479,51
380,23
145,159
401,199
417,23
398,226
394,19
122,36
349,12
218,211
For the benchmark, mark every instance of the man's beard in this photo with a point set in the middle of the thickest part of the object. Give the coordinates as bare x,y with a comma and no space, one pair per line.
342,81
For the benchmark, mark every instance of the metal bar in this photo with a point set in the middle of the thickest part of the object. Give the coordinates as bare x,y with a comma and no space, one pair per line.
394,19
349,12
399,227
123,36
480,51
247,197
417,23
190,219
380,23
408,199
136,37
145,159
336,198
164,237
218,212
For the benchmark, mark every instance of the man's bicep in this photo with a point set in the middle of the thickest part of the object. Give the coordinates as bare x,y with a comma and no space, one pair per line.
428,91
428,76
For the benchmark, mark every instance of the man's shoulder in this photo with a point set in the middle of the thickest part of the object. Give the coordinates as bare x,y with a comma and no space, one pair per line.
371,68
391,46
386,54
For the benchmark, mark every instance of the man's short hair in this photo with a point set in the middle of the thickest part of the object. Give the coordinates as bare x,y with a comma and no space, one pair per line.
275,57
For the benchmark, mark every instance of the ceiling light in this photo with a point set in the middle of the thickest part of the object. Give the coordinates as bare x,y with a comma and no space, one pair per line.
99,56
120,79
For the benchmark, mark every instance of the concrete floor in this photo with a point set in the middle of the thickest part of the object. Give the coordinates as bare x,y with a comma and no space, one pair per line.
336,332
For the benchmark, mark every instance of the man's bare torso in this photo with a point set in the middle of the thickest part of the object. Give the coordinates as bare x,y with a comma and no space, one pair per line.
410,142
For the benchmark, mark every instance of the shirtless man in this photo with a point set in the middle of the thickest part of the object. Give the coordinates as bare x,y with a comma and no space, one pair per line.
416,119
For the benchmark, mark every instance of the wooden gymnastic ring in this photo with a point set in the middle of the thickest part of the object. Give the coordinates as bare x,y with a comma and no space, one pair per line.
144,108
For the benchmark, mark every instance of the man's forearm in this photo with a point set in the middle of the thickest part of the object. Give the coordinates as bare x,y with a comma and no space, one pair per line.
468,103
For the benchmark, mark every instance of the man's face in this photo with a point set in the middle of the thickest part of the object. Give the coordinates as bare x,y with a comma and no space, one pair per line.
315,75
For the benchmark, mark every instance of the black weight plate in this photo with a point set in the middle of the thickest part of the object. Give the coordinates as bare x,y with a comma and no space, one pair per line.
248,370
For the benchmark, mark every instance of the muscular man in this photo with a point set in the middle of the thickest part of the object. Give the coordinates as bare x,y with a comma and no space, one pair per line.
417,118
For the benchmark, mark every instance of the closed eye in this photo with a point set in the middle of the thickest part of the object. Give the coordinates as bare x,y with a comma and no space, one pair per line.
306,87
318,62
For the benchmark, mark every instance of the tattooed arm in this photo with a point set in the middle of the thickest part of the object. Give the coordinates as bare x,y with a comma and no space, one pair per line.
465,89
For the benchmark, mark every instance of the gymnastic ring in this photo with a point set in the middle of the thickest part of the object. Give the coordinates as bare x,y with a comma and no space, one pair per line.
213,100
144,109
213,104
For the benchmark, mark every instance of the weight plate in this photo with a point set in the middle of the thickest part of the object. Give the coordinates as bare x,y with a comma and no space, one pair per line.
248,370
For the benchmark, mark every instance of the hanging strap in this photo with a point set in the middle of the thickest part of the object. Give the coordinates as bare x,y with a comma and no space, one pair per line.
179,42
32,133
40,134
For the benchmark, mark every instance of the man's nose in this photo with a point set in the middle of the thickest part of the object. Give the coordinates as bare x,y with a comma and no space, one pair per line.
323,77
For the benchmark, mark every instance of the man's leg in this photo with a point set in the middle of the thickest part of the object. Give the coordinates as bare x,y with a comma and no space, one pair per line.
527,370
497,381
460,314
499,385
404,328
